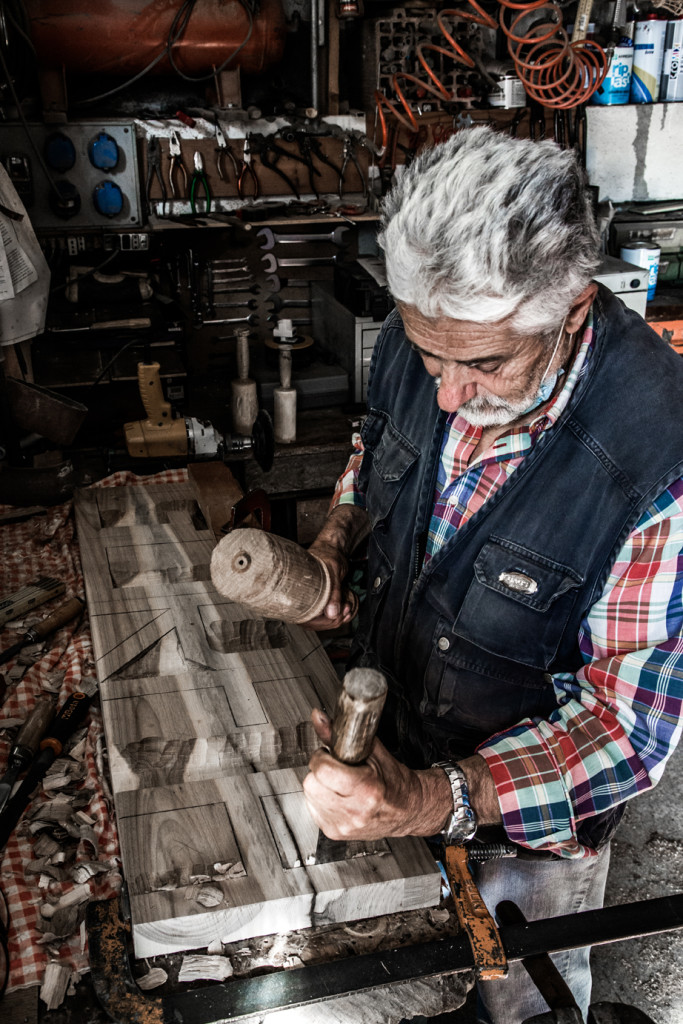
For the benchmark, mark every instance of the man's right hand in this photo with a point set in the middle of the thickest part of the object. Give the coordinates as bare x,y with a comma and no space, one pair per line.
344,528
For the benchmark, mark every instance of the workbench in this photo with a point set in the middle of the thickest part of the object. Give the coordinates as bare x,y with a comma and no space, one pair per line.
431,995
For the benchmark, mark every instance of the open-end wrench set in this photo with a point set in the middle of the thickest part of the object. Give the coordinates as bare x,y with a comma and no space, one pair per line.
268,278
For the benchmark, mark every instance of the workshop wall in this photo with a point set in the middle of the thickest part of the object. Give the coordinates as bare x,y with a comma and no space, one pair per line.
196,168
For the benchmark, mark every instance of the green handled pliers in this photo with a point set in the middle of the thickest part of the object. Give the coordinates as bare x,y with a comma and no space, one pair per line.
199,181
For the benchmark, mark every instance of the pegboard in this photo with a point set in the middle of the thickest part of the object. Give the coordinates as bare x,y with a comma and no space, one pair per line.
393,50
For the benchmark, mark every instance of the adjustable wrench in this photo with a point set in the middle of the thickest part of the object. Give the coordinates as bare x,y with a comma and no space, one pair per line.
271,262
270,239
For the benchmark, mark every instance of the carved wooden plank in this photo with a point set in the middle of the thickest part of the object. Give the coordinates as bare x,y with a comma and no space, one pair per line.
172,729
206,707
171,840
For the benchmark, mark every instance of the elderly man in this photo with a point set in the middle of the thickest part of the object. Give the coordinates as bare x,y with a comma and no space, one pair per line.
520,479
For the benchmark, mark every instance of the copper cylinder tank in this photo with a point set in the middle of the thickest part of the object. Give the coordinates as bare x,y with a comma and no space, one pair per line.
120,37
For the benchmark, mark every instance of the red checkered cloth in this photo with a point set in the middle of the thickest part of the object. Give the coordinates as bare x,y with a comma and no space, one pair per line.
47,546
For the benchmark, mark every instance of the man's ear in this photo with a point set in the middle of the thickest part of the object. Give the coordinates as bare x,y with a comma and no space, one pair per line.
579,311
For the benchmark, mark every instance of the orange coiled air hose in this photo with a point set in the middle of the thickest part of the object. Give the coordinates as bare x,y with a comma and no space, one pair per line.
434,85
555,72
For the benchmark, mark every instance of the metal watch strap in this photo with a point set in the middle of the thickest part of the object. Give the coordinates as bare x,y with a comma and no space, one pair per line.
462,824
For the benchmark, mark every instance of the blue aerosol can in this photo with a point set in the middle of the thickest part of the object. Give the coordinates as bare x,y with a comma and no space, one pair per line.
616,86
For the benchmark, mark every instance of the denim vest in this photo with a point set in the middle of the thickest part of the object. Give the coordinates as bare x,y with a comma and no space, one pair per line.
469,642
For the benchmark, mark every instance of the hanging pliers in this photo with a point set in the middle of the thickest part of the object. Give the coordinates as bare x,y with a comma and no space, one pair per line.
247,172
176,164
269,153
349,153
154,170
224,149
199,181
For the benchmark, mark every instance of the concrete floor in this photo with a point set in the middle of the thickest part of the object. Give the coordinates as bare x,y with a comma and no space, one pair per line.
647,861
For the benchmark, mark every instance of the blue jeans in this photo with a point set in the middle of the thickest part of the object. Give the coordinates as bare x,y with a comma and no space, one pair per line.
540,888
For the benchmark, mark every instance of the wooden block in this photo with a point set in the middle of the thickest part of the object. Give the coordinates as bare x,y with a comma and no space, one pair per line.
170,837
206,707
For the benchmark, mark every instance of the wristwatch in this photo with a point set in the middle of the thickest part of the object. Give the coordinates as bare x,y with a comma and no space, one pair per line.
462,824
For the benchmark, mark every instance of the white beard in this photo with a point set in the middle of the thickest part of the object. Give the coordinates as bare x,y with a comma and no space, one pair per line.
490,410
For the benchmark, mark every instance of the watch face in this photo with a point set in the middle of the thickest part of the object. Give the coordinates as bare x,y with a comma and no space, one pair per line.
461,830
468,828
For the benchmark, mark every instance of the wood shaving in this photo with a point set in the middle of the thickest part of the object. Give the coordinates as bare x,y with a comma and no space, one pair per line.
64,921
53,682
87,834
45,867
79,894
206,895
11,723
84,818
155,976
45,846
51,782
85,870
59,809
55,984
208,968
229,870
77,753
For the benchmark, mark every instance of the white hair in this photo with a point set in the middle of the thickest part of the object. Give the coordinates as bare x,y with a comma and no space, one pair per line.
485,227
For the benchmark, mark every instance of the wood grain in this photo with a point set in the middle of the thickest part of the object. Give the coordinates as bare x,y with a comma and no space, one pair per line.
206,707
180,833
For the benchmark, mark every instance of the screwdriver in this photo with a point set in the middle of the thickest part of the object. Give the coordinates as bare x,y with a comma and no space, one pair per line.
25,746
60,617
66,721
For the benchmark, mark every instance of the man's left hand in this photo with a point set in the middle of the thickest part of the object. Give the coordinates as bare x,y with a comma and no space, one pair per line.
378,799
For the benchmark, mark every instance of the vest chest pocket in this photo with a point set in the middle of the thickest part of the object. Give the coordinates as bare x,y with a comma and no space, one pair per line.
518,603
384,474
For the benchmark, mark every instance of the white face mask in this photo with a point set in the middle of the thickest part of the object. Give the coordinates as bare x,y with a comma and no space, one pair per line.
547,385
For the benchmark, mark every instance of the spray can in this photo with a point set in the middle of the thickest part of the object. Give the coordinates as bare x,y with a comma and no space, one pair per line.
616,86
671,85
646,255
648,55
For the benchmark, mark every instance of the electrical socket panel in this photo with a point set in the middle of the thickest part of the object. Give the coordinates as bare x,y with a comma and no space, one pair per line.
93,167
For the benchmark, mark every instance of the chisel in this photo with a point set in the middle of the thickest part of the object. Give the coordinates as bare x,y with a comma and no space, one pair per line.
355,722
65,722
60,617
25,746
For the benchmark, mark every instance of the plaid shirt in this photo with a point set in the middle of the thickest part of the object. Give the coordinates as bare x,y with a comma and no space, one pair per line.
618,720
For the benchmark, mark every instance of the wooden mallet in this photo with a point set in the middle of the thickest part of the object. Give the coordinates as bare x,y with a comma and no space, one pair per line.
359,707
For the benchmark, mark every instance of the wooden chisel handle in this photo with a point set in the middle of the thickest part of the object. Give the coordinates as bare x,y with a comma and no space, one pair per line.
65,613
359,707
33,729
